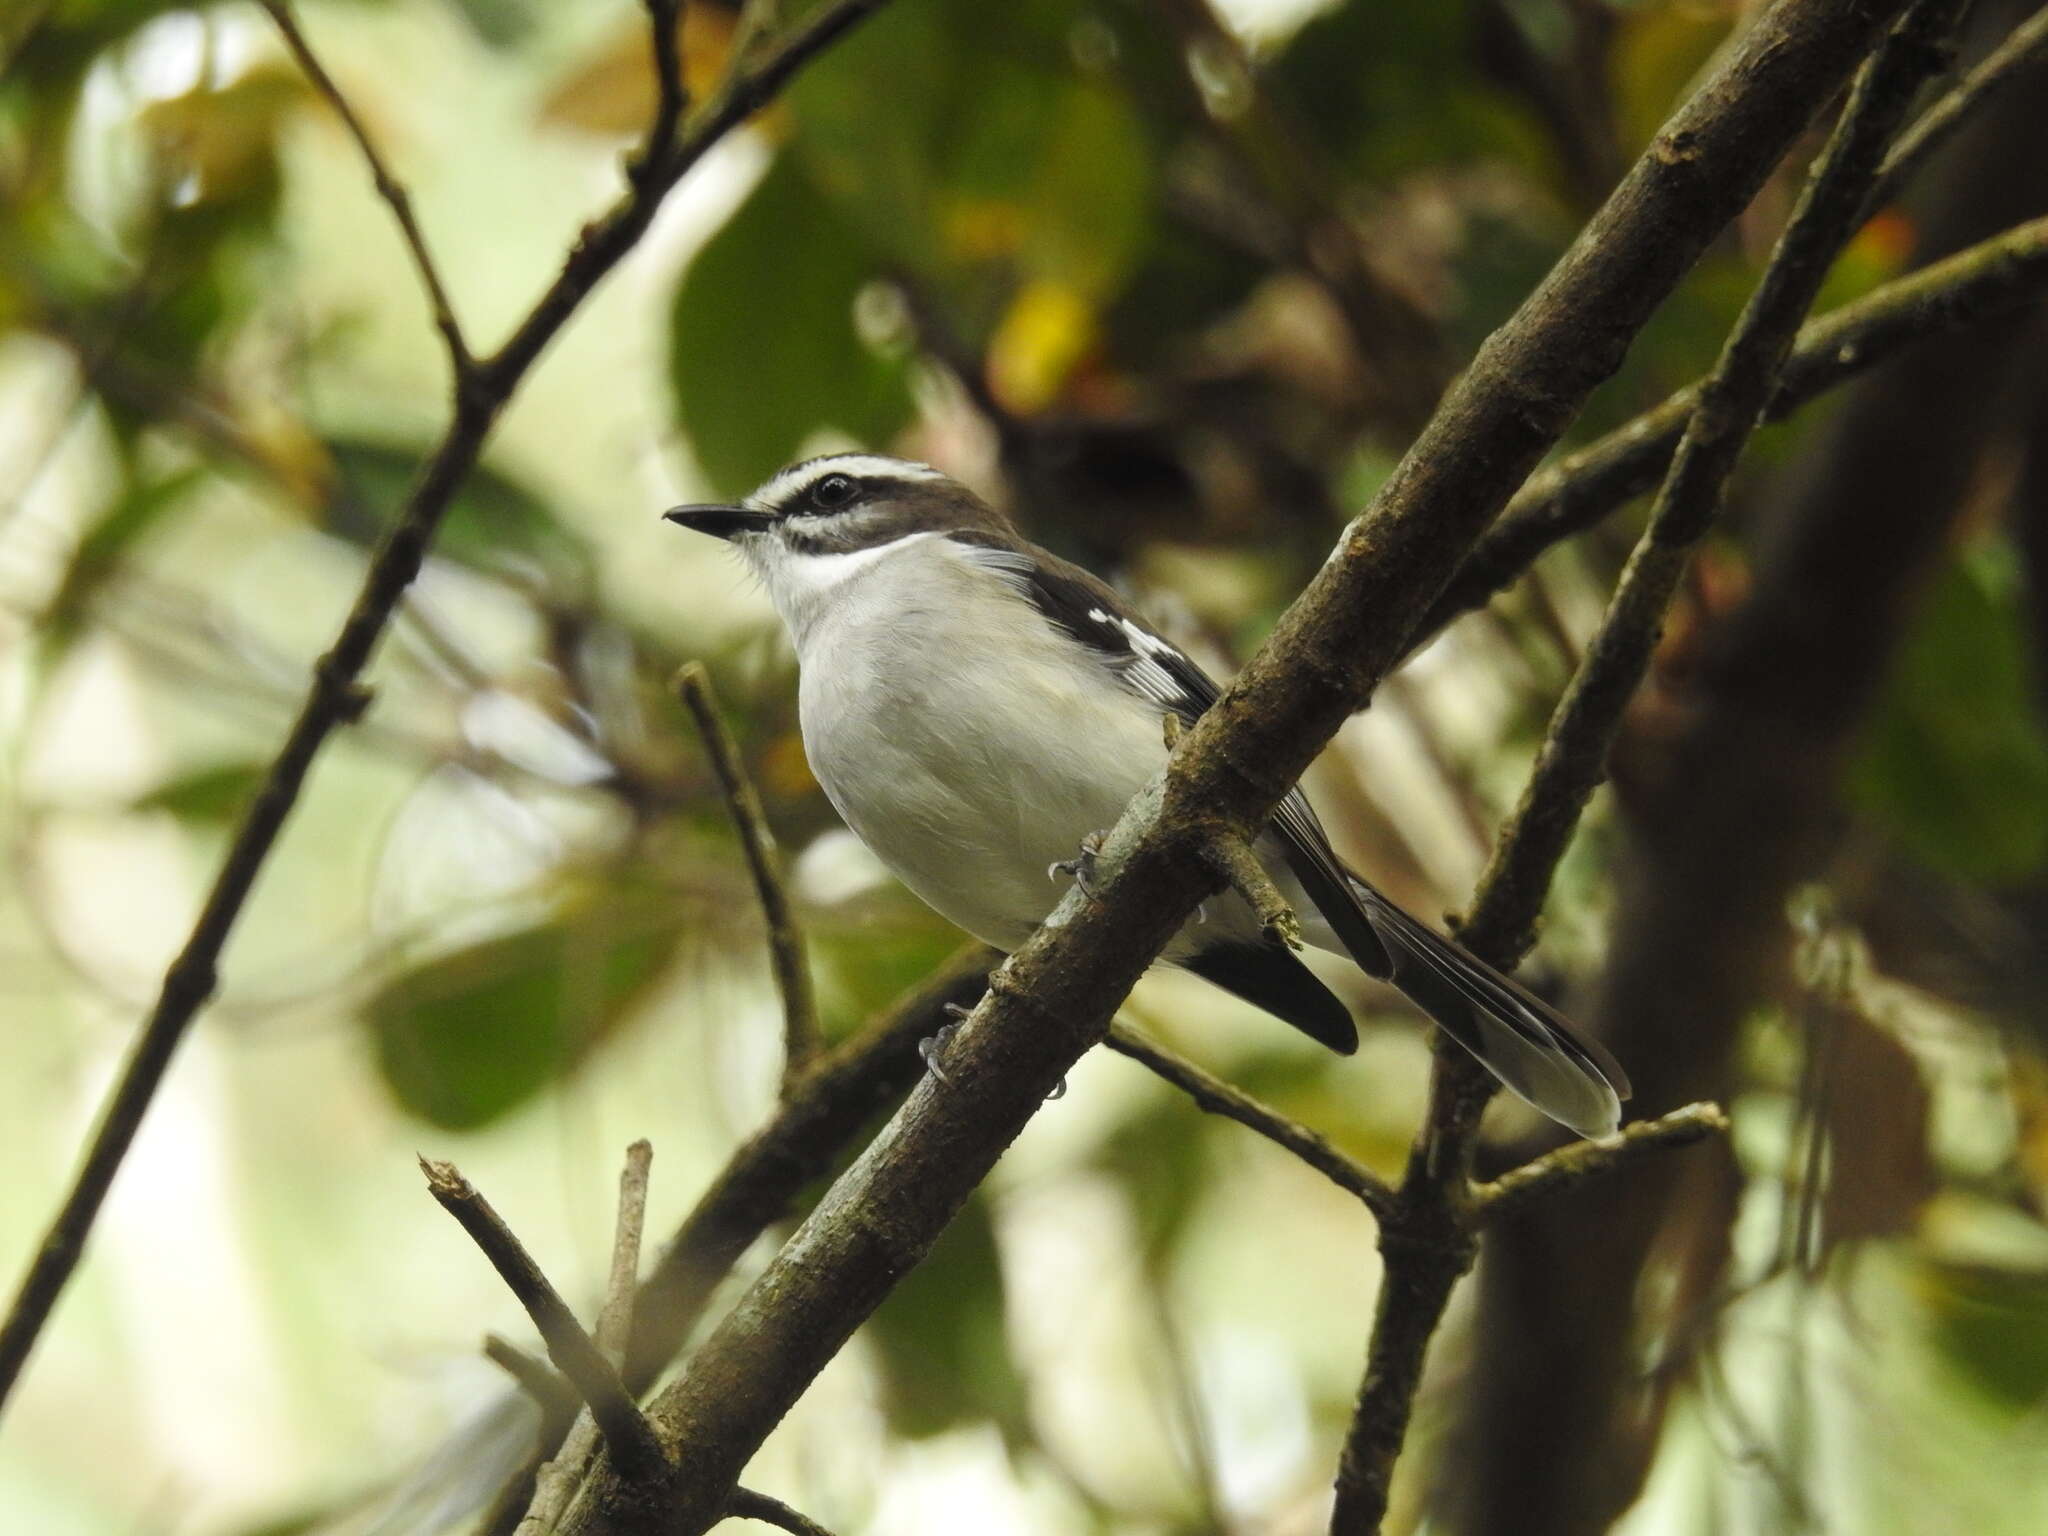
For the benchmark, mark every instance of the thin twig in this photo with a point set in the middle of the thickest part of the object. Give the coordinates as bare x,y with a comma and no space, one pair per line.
2024,47
672,98
1988,279
556,1479
548,1387
615,1321
746,1504
336,698
1573,758
800,1032
389,187
846,1088
1581,1160
576,1355
1214,1096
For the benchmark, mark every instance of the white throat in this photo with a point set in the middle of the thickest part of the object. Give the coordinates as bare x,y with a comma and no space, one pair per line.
804,587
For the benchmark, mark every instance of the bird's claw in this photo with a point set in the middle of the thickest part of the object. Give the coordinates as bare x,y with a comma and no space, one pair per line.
1080,868
933,1047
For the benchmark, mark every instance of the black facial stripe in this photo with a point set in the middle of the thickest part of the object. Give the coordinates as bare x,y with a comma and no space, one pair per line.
803,543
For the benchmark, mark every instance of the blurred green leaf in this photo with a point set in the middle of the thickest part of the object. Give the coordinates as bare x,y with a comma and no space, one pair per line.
992,161
1391,87
467,1036
943,1341
1992,1325
861,966
765,352
207,794
1955,760
498,23
141,506
493,520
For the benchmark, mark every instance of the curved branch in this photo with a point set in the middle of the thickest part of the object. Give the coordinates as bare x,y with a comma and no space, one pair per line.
1052,999
389,187
1214,1096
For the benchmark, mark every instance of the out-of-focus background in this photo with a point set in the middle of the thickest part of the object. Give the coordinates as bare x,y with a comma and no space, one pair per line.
1175,285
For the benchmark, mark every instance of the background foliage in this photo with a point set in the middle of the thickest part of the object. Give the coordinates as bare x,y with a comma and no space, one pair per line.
1173,288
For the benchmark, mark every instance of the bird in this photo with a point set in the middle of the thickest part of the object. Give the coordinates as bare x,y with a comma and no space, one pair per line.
975,707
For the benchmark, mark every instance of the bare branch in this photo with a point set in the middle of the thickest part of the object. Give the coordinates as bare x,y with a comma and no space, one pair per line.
671,98
615,1322
1052,999
389,187
336,697
845,1089
634,1445
1573,759
2007,64
746,1504
1214,1096
1430,1238
785,938
548,1387
1989,279
1581,1160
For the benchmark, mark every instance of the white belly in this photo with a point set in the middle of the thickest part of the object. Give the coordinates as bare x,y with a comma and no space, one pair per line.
973,759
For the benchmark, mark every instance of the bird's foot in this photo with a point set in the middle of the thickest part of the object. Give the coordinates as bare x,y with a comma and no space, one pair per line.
932,1049
934,1045
1081,867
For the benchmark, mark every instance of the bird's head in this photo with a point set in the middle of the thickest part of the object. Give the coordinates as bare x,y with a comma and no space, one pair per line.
841,504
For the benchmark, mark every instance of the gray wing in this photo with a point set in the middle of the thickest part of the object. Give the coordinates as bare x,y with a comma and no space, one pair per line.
1522,1040
1157,670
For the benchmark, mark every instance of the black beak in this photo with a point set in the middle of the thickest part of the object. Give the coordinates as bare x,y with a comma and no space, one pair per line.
719,520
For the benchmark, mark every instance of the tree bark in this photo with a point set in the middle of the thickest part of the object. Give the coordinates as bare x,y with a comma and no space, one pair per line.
1724,816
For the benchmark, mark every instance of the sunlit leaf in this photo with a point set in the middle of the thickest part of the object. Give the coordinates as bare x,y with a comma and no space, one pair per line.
942,1339
1955,761
469,1035
765,350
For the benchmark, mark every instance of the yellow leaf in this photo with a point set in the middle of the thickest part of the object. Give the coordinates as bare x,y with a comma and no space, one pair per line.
985,228
1048,329
612,92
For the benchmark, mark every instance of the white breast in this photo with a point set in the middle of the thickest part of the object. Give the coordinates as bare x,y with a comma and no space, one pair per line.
964,739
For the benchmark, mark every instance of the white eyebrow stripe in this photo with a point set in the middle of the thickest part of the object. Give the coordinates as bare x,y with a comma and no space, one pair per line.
792,482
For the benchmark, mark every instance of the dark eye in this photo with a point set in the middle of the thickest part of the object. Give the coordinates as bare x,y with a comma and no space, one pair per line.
833,491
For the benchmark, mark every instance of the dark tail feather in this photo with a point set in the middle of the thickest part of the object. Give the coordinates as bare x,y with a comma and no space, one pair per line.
1517,1037
1272,977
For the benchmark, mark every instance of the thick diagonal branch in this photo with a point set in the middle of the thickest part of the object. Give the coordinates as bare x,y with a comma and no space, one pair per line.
1053,998
1573,759
1423,1263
